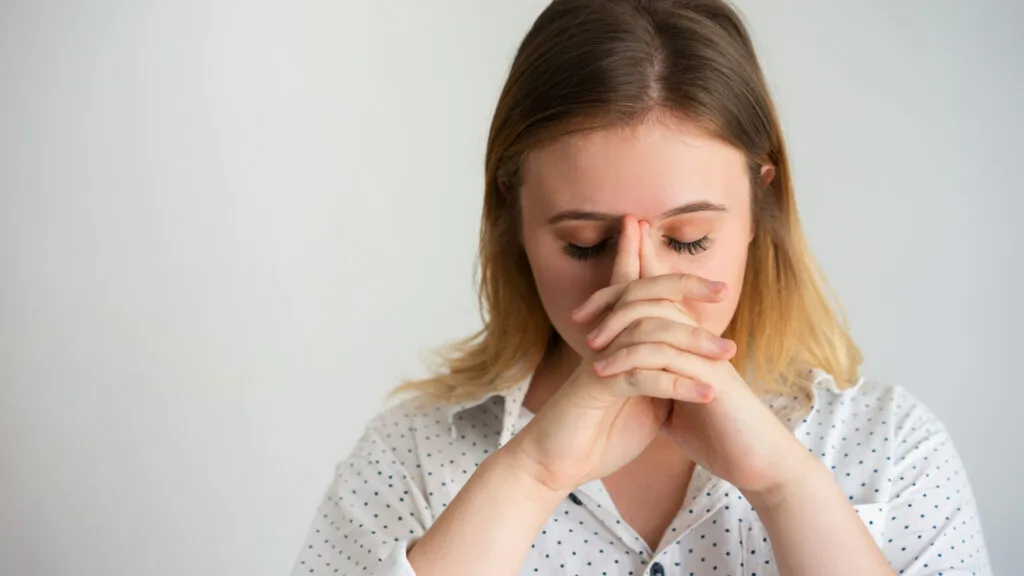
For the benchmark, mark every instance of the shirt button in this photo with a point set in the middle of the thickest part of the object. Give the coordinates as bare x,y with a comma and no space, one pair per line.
657,569
575,499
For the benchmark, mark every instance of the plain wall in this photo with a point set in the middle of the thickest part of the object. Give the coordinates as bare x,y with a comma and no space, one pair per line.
228,228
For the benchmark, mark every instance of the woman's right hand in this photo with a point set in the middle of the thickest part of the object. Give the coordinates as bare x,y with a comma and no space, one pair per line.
594,425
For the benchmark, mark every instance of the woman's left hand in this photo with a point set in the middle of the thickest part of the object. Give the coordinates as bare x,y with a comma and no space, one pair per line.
735,436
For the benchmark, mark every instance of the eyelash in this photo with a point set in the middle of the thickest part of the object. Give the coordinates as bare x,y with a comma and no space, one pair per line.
584,253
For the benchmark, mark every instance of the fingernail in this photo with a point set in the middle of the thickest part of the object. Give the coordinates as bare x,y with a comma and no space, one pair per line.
600,364
593,335
714,286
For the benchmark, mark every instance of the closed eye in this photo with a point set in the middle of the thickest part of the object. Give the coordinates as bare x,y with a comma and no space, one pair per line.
691,248
584,253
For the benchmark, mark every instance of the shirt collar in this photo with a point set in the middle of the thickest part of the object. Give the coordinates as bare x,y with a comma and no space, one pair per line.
513,396
706,493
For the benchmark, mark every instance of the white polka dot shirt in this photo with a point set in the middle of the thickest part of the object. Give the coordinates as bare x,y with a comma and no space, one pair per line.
890,455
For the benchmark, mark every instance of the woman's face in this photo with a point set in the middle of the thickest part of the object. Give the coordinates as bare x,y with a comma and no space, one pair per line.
693,190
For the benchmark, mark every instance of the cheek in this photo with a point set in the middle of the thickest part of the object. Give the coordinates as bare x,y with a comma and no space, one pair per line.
726,262
563,284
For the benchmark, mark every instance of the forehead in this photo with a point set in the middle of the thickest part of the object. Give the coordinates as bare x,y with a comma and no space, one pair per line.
642,170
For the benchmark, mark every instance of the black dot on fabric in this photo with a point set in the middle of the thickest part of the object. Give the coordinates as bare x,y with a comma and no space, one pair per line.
882,447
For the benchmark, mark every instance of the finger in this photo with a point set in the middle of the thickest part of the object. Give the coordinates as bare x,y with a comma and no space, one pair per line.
661,384
685,337
627,259
625,315
677,288
597,303
649,265
674,287
657,356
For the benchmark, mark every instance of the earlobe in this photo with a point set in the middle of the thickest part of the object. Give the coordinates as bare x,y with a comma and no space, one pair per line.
767,173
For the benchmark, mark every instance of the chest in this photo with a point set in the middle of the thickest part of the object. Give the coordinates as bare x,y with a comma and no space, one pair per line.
649,491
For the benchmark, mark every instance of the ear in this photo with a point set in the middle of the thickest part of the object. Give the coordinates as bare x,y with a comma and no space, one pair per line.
764,180
767,173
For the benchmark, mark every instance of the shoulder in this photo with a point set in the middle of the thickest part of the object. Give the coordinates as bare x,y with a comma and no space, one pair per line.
876,429
872,420
401,429
896,462
879,439
869,404
411,414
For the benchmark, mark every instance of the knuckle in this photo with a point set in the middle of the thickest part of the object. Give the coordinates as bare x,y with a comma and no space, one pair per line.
628,353
668,308
694,335
679,385
686,284
634,378
667,349
631,334
645,327
629,292
629,383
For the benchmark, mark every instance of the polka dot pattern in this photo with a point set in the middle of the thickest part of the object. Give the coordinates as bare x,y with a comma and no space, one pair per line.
891,456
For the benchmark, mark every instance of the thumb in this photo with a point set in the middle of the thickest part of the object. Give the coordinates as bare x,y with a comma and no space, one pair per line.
627,260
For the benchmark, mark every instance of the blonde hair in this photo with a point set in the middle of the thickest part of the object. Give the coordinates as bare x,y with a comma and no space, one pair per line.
592,64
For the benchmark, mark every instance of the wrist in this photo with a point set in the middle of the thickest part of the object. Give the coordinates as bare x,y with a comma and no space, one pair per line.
491,521
529,477
802,471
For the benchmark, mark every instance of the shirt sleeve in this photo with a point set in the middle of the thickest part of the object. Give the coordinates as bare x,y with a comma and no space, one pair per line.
933,525
370,515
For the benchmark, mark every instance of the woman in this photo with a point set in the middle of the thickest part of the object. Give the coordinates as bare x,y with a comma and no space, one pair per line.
661,385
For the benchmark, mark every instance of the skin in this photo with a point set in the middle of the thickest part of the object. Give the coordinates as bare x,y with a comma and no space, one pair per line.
644,172
653,381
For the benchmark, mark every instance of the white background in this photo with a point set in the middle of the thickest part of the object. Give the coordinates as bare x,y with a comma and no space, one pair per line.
227,228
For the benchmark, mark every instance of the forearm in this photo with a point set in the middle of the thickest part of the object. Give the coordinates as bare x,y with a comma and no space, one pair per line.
490,523
814,530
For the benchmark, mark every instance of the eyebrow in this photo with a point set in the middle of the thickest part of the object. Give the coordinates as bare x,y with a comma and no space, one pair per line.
700,206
